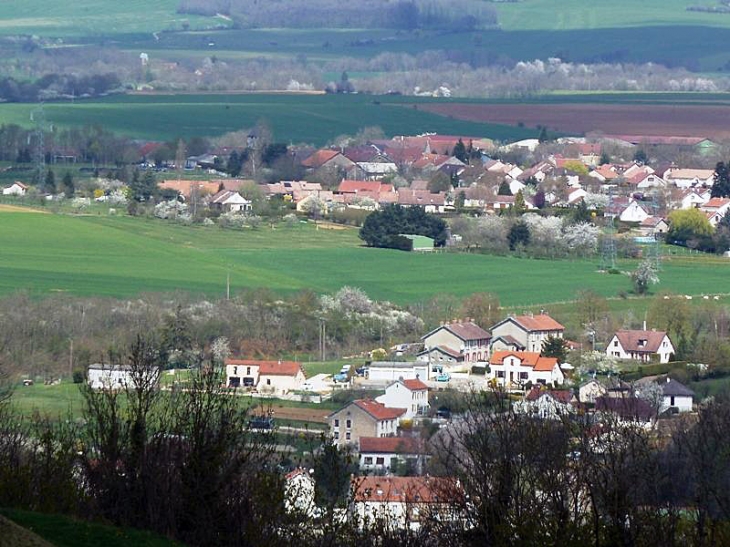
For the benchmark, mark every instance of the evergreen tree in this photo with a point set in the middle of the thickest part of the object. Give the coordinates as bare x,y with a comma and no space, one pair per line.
504,189
49,185
460,152
553,346
68,185
520,206
519,234
721,186
543,136
605,158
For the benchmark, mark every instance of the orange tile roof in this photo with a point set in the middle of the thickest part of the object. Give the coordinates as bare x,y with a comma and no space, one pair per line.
378,410
526,358
538,322
716,203
392,445
352,186
269,368
415,385
406,489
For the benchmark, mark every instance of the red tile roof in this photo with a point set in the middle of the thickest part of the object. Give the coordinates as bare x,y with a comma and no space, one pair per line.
378,410
716,203
319,158
526,358
357,186
415,385
466,330
392,445
269,368
406,489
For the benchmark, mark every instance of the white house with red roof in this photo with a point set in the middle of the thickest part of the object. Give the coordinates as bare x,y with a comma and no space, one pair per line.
363,418
381,454
16,189
515,369
641,345
525,332
409,394
715,209
403,503
271,377
463,338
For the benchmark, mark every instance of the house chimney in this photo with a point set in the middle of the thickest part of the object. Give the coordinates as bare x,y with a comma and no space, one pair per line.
668,379
644,324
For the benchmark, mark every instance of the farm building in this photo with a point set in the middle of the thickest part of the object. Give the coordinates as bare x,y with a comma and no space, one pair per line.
101,376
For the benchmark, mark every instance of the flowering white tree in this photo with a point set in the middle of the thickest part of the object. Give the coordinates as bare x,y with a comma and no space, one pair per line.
581,238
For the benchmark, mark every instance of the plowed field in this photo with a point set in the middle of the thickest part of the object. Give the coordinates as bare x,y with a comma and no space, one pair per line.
710,121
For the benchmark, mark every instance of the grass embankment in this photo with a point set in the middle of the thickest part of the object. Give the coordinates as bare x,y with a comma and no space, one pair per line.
123,257
63,531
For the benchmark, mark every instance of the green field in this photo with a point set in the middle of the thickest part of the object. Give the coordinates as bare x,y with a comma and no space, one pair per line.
661,31
314,119
123,256
63,531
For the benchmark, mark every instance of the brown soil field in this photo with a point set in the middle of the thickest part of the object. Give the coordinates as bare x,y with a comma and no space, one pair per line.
710,121
18,209
303,414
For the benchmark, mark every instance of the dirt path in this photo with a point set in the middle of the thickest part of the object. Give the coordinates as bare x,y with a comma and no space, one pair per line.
18,209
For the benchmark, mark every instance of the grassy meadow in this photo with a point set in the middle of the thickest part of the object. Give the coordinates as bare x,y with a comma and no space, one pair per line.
123,257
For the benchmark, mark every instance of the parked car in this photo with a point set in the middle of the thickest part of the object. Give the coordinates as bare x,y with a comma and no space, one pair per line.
361,371
443,377
340,377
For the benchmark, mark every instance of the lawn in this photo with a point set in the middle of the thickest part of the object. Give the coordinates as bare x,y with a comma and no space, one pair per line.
123,257
63,531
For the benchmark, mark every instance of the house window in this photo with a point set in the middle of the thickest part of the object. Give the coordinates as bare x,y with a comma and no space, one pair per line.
500,374
337,423
523,376
379,461
235,371
349,424
347,436
248,371
268,381
337,435
615,343
368,460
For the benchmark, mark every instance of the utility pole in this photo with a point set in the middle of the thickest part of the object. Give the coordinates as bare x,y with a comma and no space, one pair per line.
228,285
71,358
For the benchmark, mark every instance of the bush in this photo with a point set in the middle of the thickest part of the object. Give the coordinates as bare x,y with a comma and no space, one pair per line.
78,376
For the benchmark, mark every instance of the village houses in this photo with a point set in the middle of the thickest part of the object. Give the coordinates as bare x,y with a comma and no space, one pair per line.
409,394
516,369
464,339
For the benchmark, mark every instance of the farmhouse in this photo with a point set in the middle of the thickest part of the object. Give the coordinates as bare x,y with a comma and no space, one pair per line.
641,345
16,189
511,369
271,377
527,331
590,390
383,454
463,338
101,376
409,394
363,418
653,226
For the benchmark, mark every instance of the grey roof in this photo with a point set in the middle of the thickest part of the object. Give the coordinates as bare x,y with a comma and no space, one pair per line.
672,388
